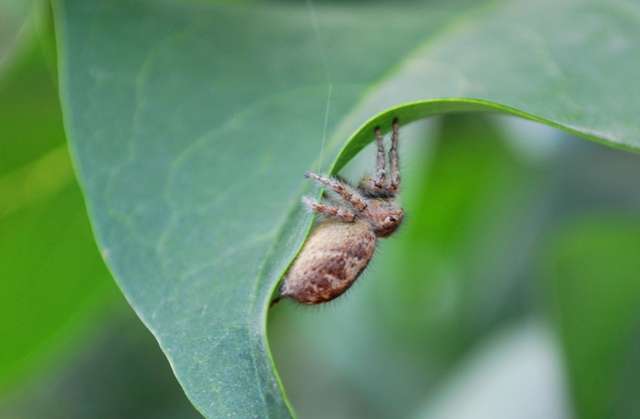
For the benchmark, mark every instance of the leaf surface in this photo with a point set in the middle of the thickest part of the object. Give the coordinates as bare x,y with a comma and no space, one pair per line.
191,125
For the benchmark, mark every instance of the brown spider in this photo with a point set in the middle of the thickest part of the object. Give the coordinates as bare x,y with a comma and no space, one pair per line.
340,246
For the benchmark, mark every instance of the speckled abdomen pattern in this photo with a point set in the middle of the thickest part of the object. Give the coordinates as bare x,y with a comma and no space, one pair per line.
332,258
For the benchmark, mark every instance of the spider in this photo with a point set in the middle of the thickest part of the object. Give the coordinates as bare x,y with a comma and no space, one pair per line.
340,246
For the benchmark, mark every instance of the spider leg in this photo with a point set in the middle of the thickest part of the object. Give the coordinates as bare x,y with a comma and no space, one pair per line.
341,189
340,213
393,157
276,301
380,172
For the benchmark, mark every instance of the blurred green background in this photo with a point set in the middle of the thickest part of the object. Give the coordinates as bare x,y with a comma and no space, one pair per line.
512,290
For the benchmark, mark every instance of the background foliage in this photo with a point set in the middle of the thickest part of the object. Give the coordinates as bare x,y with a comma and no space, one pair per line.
510,292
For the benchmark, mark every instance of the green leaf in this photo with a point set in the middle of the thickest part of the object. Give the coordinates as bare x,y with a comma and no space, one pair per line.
191,125
568,64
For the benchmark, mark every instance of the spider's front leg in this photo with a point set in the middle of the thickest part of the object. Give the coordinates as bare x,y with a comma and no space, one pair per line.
380,172
321,208
341,189
393,157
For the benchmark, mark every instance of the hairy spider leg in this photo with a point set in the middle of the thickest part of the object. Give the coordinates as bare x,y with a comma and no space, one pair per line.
393,157
380,160
341,189
340,213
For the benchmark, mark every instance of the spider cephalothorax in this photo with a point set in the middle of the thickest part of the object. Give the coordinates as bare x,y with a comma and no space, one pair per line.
340,246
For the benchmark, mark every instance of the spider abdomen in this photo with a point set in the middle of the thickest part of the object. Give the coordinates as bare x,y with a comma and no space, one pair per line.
332,258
